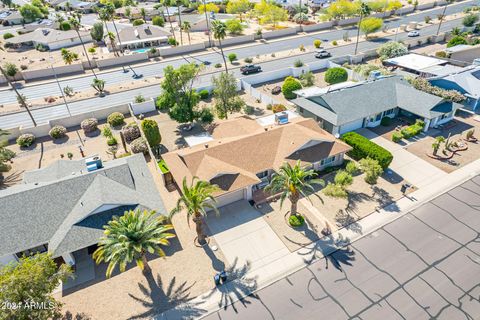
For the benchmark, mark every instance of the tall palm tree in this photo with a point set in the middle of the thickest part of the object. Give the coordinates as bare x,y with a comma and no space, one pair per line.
186,26
219,33
75,23
196,199
166,4
443,15
20,97
293,182
180,2
111,37
129,238
364,11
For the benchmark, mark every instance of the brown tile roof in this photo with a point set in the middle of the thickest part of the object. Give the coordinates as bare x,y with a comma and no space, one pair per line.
234,158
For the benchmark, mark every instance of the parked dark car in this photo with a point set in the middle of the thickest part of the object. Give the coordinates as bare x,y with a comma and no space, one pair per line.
250,68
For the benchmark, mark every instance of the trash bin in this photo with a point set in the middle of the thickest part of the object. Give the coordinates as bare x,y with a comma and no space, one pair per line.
223,276
216,278
404,187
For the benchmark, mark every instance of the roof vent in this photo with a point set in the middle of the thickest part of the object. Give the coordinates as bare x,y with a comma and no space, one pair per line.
266,129
206,145
93,163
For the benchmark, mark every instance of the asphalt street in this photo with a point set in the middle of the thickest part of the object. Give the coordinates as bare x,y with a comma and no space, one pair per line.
114,77
425,265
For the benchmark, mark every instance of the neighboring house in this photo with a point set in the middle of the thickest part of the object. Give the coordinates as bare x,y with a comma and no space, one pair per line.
418,64
62,208
243,155
76,5
49,38
10,18
464,53
364,104
466,81
136,12
143,36
198,22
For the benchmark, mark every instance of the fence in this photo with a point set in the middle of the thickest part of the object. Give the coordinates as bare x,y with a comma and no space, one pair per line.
236,40
181,49
112,62
279,33
318,26
29,75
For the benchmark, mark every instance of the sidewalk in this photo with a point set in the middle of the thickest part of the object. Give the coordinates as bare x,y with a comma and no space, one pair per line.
235,290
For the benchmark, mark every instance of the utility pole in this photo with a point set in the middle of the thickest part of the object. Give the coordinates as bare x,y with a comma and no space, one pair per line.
59,86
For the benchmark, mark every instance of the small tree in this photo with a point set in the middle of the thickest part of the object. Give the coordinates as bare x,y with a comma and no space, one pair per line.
234,26
238,7
138,22
455,41
391,49
370,25
372,170
307,79
30,12
99,85
68,56
470,20
436,144
151,132
226,96
317,43
10,69
338,189
336,75
289,85
232,57
209,7
158,21
97,31
32,279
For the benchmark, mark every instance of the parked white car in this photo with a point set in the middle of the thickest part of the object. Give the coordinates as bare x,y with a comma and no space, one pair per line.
413,33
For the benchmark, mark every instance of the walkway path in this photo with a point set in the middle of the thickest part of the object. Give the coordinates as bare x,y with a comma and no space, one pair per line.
412,168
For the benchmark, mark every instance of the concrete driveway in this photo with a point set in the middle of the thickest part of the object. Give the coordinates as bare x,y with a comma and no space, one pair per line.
244,237
412,168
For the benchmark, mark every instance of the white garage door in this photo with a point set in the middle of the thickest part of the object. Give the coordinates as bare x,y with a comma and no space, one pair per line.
230,197
351,126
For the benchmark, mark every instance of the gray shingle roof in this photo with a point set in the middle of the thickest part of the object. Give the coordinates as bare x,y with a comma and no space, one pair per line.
53,206
47,35
370,97
143,32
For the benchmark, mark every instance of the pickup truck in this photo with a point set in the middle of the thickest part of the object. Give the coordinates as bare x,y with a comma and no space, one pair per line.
250,68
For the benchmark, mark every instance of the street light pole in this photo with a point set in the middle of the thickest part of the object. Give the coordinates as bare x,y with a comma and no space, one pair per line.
60,87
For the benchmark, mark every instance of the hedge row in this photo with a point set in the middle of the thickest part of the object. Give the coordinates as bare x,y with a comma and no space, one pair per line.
364,148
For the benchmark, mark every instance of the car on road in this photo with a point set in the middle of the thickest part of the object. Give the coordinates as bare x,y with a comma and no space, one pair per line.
250,68
413,33
322,53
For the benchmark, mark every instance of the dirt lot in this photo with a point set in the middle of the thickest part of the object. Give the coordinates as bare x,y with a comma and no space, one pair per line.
463,122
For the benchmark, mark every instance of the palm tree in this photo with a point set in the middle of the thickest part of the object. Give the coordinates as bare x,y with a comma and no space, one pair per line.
293,182
179,2
68,56
219,33
166,4
364,11
111,37
129,238
75,23
196,199
186,26
20,97
443,15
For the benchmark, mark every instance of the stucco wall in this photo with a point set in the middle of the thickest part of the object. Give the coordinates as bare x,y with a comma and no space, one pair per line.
181,49
134,58
29,75
279,33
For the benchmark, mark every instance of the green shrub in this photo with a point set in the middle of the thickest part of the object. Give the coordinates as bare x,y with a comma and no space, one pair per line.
456,41
289,85
470,20
248,109
26,140
206,115
158,21
335,191
336,75
112,141
65,26
232,57
317,43
163,166
363,148
296,220
343,178
8,35
397,137
139,145
351,168
172,41
386,121
234,26
298,63
372,170
89,125
218,65
116,119
151,132
334,42
441,54
278,108
138,22
204,94
413,130
131,131
57,132
248,60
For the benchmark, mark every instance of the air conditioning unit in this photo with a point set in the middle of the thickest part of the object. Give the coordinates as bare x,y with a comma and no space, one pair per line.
93,163
281,118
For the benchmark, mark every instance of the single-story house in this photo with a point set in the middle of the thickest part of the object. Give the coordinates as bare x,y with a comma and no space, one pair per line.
243,155
62,208
11,18
136,12
51,39
198,22
364,104
77,5
143,36
465,53
466,81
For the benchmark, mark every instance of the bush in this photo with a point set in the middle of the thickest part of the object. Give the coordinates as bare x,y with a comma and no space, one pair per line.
413,130
232,57
334,42
278,108
351,168
139,99
116,119
248,60
206,115
234,26
57,132
317,43
455,41
139,145
218,65
343,178
289,85
65,26
391,49
427,19
335,191
8,35
138,22
26,140
89,125
336,75
204,94
23,67
151,132
131,132
298,63
112,141
158,21
372,170
470,20
386,121
248,109
172,42
397,137
363,148
441,54
296,220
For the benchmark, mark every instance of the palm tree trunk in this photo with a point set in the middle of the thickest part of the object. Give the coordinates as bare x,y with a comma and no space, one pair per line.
180,24
119,42
223,56
358,33
22,101
86,53
146,266
443,17
201,238
171,25
188,33
294,201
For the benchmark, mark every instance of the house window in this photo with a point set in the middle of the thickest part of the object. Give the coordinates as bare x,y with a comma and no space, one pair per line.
445,116
262,174
40,249
389,112
327,161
